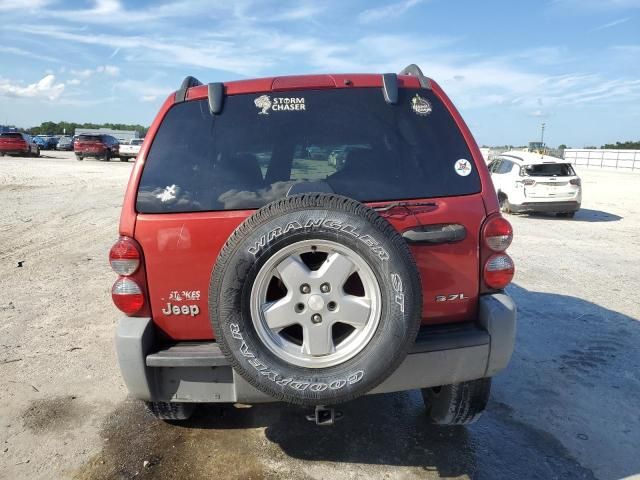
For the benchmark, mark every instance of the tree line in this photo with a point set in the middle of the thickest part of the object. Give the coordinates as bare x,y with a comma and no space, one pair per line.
60,128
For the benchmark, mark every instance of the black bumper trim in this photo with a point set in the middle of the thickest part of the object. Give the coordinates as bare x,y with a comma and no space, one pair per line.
432,338
546,207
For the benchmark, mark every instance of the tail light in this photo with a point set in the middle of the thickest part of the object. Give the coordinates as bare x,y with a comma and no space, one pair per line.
128,293
575,181
498,234
498,271
124,257
498,268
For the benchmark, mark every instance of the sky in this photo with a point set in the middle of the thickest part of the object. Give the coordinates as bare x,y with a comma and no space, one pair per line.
508,66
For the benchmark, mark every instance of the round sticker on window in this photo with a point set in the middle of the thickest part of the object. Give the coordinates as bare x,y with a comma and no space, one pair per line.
463,167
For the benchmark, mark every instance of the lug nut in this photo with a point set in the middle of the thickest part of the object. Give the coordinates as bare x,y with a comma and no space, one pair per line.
299,308
305,288
325,288
332,306
316,318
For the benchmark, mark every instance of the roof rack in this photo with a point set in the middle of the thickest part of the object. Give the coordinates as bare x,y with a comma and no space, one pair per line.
414,70
215,93
187,83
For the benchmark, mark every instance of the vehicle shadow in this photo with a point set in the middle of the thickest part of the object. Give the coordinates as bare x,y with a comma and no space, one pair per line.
582,215
570,390
567,389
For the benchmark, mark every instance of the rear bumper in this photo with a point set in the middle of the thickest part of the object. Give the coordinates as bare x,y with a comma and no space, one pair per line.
17,151
198,372
92,153
548,207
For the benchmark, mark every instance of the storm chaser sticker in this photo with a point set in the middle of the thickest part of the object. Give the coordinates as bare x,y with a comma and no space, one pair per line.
293,383
421,106
367,239
279,104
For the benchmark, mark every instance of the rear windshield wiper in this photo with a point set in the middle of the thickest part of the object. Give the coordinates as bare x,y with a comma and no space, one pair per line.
385,208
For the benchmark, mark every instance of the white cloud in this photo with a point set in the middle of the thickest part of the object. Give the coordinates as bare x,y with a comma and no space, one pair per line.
74,81
25,53
6,5
45,88
146,91
387,11
589,6
110,70
612,24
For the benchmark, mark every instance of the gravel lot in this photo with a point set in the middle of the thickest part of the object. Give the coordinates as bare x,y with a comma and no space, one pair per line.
567,406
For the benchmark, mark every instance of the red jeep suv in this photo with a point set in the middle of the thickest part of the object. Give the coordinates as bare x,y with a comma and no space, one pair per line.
251,271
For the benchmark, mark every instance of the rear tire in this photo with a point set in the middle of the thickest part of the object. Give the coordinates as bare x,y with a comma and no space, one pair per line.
457,404
505,206
79,157
170,410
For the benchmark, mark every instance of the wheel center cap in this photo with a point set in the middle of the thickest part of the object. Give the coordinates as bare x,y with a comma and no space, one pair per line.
316,303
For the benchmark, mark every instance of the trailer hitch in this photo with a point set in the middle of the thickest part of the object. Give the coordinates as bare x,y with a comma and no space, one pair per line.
325,416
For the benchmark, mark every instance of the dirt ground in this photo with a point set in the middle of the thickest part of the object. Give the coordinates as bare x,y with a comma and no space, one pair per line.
566,407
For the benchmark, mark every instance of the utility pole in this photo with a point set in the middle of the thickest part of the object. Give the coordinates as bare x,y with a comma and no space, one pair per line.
542,137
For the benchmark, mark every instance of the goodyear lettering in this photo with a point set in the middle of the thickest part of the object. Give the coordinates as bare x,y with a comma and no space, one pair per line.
292,383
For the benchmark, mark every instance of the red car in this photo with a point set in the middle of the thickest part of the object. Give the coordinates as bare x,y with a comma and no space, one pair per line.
248,272
102,147
15,143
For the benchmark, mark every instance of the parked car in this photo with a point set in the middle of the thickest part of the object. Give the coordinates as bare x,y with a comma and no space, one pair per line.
102,147
530,182
130,149
15,143
65,143
243,281
46,142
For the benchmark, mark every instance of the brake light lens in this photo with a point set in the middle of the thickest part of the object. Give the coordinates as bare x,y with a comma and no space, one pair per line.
124,257
127,295
498,271
575,181
498,234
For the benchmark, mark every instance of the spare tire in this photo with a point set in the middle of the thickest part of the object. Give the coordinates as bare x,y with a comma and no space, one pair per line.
315,299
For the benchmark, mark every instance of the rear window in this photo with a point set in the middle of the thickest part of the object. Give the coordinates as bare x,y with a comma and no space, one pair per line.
549,170
10,135
264,146
90,138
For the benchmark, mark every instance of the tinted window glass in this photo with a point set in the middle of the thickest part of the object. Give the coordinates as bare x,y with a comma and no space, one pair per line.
505,166
11,135
90,138
261,145
549,170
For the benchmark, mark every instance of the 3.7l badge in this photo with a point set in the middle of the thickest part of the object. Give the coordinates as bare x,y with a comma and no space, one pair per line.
451,298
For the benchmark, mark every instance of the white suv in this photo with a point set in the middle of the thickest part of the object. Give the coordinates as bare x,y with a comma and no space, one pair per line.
530,182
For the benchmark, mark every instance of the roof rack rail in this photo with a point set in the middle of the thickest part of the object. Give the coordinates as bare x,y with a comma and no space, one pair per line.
390,87
215,93
415,71
187,83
